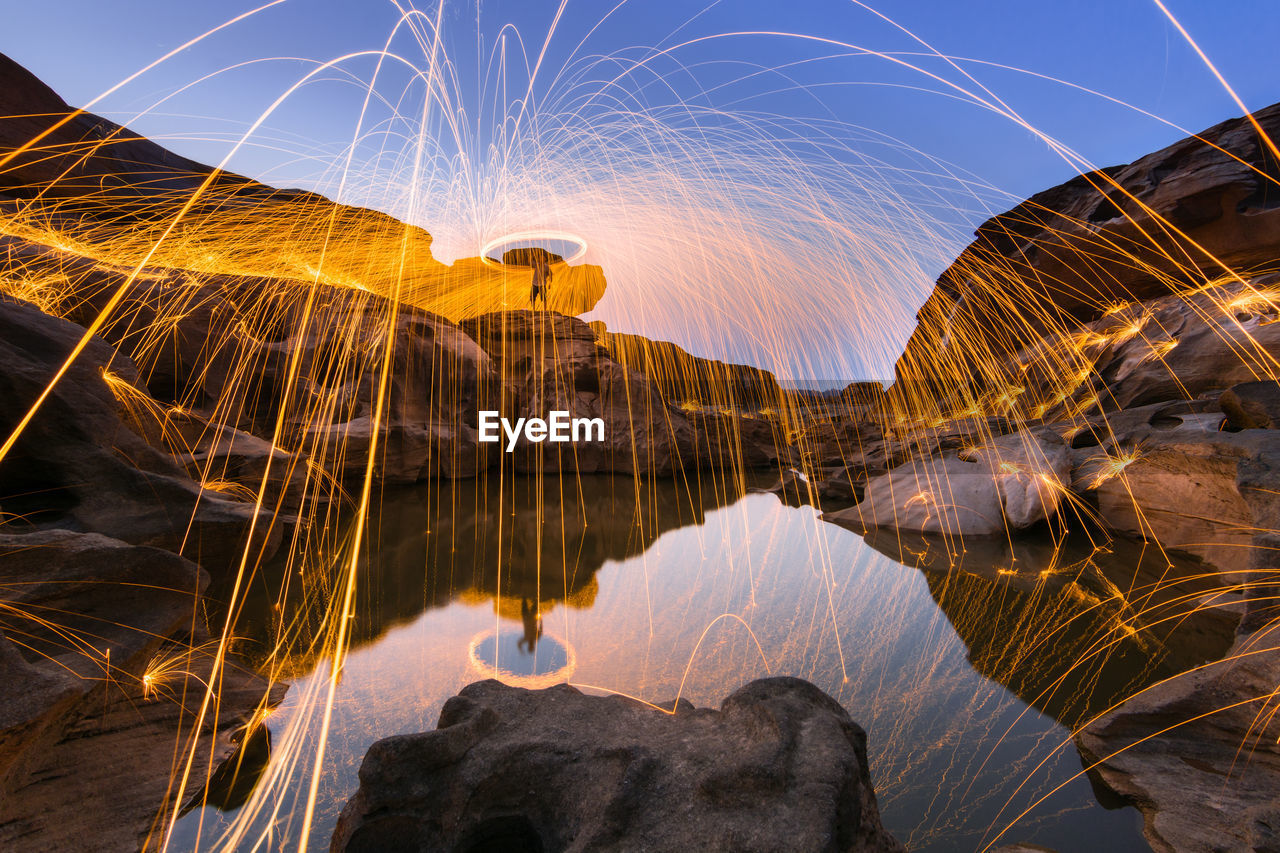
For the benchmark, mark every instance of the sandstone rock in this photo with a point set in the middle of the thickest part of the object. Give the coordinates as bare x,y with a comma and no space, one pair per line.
100,687
249,347
1071,252
779,767
1202,491
1169,348
105,784
1210,780
682,377
550,362
1007,484
69,598
77,465
1253,405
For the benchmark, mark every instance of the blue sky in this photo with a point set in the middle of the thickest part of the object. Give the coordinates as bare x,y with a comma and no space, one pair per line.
1125,49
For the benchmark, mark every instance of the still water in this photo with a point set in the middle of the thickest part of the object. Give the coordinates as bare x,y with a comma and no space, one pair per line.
966,679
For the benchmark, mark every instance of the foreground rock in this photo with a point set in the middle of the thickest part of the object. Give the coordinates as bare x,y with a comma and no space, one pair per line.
101,679
1211,780
779,767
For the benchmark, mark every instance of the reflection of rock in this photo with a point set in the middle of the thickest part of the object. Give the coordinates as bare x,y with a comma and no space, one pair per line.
1069,632
779,767
1006,484
524,538
100,685
77,464
1211,779
233,781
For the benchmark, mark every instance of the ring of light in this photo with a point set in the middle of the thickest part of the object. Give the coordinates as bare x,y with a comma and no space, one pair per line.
531,236
540,680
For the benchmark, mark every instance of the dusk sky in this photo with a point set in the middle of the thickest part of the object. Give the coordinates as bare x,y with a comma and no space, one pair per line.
802,70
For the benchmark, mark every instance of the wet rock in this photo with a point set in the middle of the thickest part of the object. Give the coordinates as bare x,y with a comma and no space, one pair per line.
1210,780
1007,484
779,767
1252,405
78,465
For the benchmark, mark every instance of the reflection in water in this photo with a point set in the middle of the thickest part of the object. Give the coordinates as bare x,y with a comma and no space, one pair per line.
503,655
231,784
531,616
1071,629
966,677
525,544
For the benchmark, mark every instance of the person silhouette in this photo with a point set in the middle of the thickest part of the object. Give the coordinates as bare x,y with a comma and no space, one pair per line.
532,618
541,281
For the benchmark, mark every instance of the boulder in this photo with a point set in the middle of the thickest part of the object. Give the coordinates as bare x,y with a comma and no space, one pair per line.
1189,487
1252,405
780,766
1010,483
77,465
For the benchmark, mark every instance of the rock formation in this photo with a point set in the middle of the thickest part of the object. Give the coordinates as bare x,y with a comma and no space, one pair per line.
780,766
1202,208
99,679
685,378
1210,779
550,362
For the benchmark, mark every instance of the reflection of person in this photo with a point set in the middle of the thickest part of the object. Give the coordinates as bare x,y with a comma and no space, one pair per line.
541,281
532,618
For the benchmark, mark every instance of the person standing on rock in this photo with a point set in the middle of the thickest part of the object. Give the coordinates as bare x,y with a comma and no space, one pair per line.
541,281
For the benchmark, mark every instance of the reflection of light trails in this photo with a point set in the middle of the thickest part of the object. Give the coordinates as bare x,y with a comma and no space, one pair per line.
476,657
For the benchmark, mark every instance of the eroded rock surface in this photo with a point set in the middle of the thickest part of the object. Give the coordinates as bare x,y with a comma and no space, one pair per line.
780,767
1006,484
1210,781
78,465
